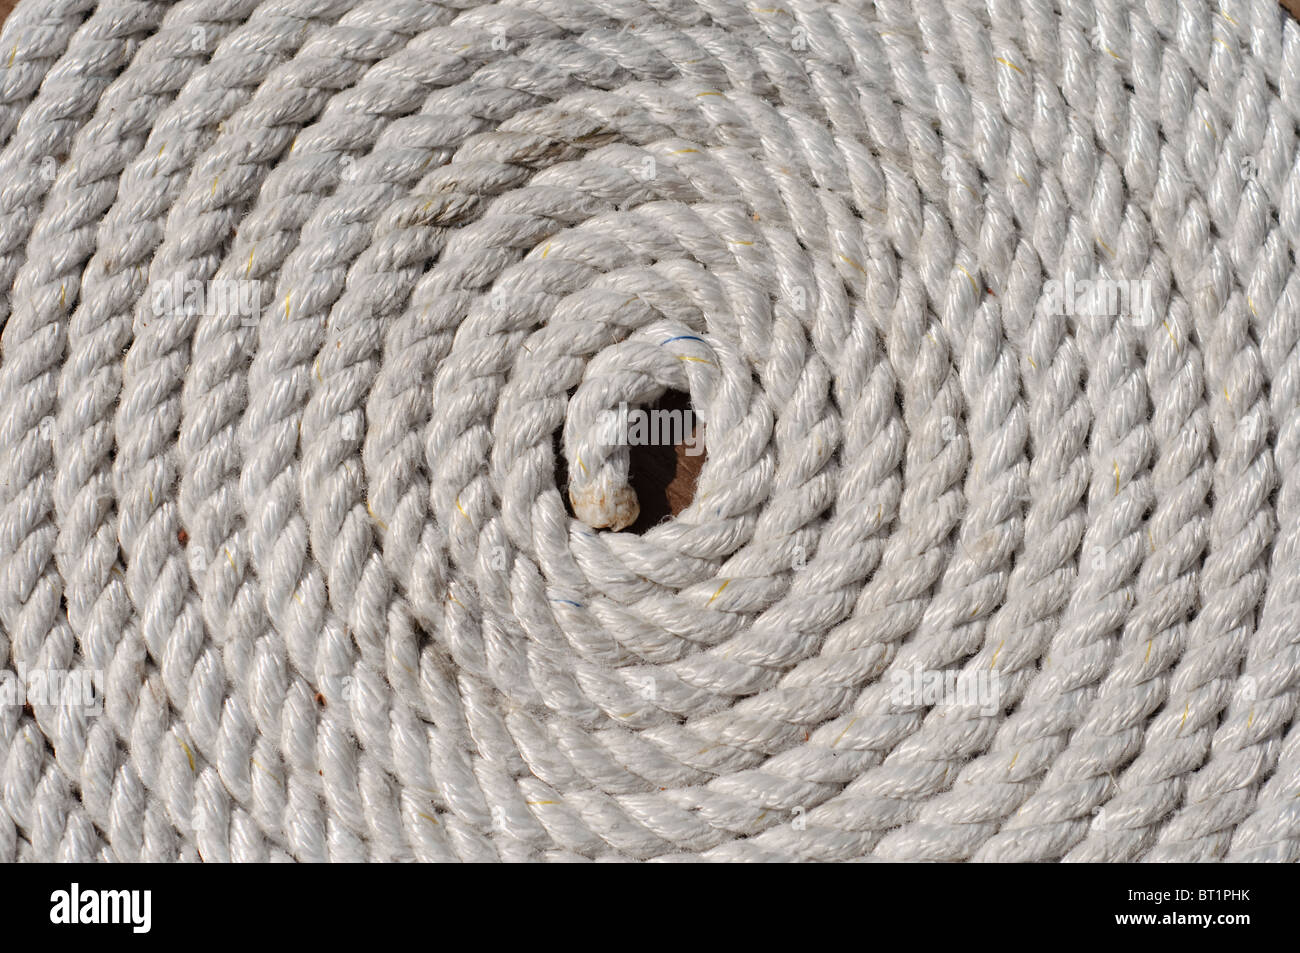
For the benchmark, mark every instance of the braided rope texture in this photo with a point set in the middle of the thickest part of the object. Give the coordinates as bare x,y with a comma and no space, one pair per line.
344,554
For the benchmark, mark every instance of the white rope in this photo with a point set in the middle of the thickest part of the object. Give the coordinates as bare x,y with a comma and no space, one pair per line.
300,296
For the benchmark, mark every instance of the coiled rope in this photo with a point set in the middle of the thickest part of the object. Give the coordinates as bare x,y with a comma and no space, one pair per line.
345,609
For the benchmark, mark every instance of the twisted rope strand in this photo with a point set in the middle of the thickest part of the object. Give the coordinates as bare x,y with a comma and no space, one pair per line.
315,317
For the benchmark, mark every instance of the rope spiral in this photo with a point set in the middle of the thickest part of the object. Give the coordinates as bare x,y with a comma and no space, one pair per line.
347,552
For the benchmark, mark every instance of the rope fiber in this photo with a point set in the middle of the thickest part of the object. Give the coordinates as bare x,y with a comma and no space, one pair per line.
316,315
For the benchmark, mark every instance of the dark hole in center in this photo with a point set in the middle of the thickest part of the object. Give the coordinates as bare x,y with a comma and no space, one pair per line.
663,476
